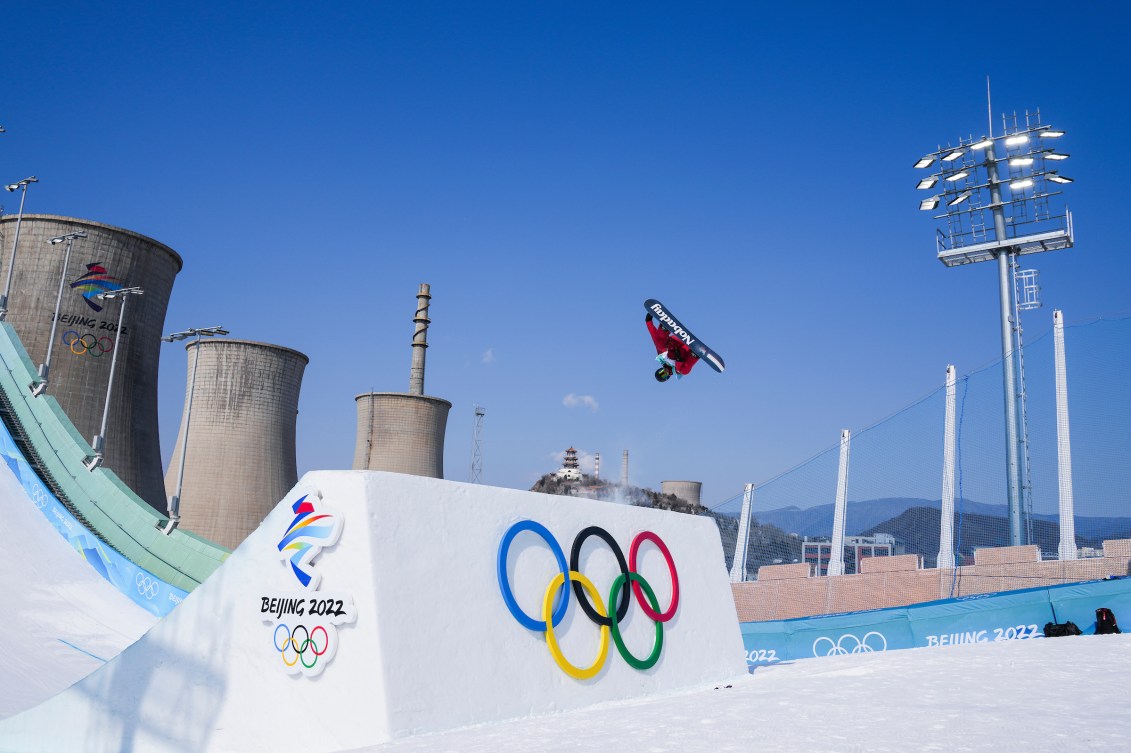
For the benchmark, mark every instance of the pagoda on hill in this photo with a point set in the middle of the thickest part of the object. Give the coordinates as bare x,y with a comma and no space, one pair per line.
571,469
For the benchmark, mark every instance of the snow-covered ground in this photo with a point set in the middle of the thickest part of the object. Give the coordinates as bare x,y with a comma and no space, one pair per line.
1031,696
60,619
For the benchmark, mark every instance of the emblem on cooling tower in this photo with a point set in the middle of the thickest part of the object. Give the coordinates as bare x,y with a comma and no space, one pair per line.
304,620
96,280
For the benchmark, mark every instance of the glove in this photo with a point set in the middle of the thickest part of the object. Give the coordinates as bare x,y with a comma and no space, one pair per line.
648,318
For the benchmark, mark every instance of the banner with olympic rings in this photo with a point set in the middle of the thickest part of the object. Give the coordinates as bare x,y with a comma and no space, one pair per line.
981,618
141,586
627,588
304,622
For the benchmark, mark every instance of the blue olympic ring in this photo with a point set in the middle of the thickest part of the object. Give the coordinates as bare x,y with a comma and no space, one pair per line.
504,582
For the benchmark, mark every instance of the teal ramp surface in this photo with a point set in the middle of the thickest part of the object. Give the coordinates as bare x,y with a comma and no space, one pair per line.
113,517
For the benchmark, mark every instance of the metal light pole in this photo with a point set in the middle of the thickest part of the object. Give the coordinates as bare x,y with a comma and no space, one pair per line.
22,185
1022,223
39,387
175,500
124,293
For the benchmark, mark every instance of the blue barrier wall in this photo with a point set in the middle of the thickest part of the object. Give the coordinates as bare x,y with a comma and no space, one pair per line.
1011,615
142,587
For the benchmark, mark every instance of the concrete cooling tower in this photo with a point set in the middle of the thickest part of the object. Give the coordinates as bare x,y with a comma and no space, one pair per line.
106,259
404,432
240,434
688,491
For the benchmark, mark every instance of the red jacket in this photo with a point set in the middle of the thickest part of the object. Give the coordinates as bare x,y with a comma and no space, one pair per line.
675,348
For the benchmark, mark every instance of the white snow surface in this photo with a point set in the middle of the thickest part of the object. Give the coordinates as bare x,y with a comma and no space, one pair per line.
60,619
1022,696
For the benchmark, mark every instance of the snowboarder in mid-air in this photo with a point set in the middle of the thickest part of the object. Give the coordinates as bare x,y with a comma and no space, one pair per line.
677,350
672,353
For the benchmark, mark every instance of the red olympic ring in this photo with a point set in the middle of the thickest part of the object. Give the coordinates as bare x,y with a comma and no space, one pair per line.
632,550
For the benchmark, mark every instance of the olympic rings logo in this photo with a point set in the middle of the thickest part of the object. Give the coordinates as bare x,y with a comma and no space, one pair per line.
854,646
88,344
301,649
39,497
607,619
146,586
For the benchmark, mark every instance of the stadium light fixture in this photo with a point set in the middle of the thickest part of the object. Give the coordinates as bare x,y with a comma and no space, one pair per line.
977,229
124,294
39,386
18,186
928,183
925,162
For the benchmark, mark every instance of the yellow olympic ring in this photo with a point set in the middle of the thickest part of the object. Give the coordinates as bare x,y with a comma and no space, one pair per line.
289,643
577,673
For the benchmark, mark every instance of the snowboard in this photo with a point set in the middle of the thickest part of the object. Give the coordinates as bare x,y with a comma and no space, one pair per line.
669,323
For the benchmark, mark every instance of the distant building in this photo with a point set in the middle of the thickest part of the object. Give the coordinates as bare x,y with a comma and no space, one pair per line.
570,470
818,552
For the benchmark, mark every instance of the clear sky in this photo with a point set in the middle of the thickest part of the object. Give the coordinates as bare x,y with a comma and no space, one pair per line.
546,167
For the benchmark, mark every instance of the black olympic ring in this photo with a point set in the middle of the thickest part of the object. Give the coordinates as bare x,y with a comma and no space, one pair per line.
579,590
96,347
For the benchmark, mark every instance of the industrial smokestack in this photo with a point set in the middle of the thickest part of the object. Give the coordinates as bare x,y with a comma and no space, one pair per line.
596,466
404,432
108,258
240,458
419,341
624,469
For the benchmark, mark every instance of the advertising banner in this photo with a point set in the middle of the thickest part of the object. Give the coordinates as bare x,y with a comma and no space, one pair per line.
1006,616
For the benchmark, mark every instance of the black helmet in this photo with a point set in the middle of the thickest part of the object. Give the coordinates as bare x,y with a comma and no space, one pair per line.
663,373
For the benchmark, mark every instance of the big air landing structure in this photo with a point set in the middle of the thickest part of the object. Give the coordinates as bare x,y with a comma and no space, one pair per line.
349,619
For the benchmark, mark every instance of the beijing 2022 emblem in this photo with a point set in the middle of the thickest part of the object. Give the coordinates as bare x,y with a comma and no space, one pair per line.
304,634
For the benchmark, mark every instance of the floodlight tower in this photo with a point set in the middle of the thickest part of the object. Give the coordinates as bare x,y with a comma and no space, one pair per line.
1027,220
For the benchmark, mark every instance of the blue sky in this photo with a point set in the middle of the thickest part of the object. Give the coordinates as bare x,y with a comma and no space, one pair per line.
545,167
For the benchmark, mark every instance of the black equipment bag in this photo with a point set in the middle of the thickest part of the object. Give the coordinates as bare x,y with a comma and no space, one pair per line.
1105,622
1058,629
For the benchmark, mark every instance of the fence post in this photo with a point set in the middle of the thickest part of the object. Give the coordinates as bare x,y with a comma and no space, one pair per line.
945,560
836,556
1067,548
738,564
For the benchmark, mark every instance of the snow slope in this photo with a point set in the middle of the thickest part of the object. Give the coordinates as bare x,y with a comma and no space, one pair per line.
60,619
1051,695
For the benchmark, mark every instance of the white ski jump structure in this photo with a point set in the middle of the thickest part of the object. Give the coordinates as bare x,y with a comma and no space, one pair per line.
371,606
